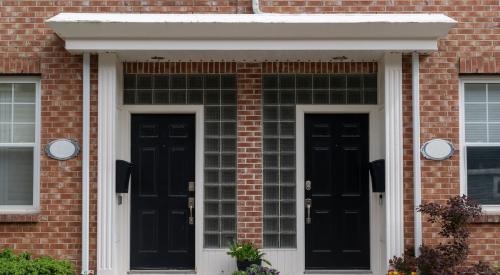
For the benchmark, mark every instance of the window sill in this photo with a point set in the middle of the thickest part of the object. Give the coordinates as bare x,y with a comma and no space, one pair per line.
20,217
487,218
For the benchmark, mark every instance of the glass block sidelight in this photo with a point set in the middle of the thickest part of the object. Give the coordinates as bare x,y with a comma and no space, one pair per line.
217,92
280,95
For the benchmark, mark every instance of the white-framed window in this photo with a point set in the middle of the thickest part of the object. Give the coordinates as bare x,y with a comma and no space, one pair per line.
480,141
19,144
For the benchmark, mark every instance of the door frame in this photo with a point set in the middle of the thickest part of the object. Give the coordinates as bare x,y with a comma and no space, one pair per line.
123,147
376,150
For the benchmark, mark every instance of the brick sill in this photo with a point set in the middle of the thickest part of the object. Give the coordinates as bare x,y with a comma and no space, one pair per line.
19,218
487,218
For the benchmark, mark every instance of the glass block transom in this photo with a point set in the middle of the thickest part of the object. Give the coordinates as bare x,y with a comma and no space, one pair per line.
217,92
280,95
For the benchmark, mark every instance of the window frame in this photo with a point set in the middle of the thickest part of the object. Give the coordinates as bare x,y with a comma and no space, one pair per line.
35,206
493,209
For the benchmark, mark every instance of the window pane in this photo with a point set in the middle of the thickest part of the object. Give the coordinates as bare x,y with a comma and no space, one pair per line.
24,132
475,112
475,92
494,92
212,240
5,112
494,132
161,97
144,97
129,81
16,176
24,112
5,132
483,174
129,97
144,82
476,132
494,112
24,92
5,92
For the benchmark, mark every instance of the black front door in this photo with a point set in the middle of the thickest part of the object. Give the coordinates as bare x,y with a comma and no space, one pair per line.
336,158
163,149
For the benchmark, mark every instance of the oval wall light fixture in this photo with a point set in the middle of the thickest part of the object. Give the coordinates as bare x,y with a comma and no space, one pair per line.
62,149
437,149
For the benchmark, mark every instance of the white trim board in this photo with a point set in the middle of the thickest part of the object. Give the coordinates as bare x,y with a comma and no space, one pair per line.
487,209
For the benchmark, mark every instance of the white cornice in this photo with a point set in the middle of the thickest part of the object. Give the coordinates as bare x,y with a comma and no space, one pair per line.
173,33
250,26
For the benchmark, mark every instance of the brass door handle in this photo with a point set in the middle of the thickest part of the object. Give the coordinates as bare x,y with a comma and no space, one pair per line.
308,204
191,206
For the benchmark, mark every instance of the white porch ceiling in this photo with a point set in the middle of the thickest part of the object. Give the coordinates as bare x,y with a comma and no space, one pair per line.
250,36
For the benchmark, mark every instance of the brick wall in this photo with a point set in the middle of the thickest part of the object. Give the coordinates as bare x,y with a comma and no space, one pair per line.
408,153
27,46
249,194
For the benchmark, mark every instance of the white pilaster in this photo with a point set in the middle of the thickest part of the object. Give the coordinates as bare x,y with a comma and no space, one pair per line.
392,78
108,84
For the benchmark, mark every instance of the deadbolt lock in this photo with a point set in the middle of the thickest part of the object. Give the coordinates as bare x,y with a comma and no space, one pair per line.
191,186
308,185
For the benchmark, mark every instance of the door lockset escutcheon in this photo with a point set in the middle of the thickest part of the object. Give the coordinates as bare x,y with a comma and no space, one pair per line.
308,204
191,206
308,185
191,186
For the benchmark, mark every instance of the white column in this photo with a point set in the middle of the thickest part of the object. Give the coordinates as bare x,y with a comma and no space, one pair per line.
392,78
108,83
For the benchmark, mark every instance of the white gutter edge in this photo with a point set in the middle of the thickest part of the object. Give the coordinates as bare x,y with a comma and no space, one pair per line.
85,163
417,182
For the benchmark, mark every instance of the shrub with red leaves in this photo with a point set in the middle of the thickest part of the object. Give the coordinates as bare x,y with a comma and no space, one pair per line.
446,258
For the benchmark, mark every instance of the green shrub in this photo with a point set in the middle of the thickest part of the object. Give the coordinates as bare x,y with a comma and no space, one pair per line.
24,264
245,251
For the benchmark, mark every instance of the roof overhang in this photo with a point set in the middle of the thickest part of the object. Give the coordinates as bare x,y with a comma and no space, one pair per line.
249,36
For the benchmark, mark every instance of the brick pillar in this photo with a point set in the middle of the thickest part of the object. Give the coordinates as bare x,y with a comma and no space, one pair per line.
249,194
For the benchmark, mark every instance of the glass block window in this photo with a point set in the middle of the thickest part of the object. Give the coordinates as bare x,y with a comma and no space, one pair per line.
218,95
482,141
18,154
280,95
